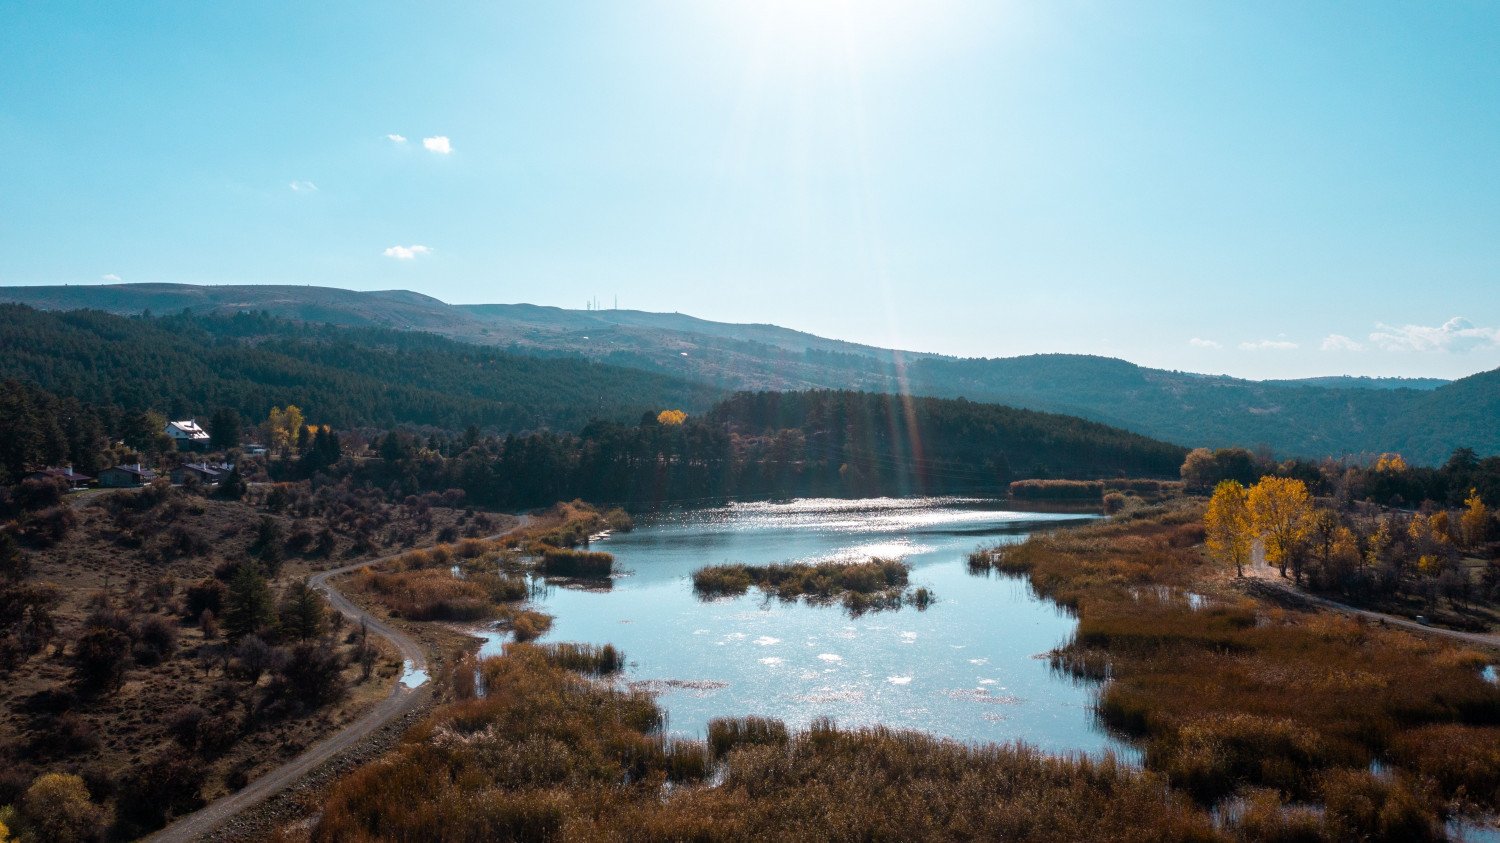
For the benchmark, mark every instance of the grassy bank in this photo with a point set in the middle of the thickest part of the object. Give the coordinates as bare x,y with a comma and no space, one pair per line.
551,755
1230,694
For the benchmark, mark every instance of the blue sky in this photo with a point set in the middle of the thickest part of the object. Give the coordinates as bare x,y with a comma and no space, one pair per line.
1262,189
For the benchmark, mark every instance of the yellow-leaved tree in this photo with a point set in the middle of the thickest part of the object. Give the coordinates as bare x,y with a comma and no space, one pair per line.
57,807
1280,514
284,426
1226,525
1474,524
671,418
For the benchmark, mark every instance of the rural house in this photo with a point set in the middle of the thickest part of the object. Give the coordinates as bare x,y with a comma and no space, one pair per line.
126,476
74,479
205,472
187,435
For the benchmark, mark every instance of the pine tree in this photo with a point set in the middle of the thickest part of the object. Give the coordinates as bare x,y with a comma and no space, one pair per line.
302,612
249,606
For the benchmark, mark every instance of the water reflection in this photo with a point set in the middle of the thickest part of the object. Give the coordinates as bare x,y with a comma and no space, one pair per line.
972,667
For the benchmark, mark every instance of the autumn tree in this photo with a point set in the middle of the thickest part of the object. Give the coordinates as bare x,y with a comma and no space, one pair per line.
1227,526
1474,524
1280,510
671,418
57,808
1203,469
284,426
1429,535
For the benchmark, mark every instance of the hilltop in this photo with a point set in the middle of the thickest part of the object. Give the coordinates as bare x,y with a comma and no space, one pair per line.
1315,417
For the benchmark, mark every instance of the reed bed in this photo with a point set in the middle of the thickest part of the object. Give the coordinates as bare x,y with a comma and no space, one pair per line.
861,586
434,594
549,754
726,734
588,659
428,594
580,564
1242,695
566,525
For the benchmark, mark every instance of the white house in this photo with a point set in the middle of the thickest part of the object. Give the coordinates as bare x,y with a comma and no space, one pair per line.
187,434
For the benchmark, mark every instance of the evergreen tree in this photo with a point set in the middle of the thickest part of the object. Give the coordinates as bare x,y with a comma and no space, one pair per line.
249,605
301,612
233,487
225,429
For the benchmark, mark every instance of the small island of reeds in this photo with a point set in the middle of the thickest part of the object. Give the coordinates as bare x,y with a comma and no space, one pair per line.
861,586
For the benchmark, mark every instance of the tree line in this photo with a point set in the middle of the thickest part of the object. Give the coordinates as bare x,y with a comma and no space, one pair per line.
187,366
767,445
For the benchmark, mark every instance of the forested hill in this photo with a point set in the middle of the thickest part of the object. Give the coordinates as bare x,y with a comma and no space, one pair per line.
1316,417
946,444
755,446
186,366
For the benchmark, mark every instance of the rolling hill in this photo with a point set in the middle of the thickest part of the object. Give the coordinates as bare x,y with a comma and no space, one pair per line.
1424,419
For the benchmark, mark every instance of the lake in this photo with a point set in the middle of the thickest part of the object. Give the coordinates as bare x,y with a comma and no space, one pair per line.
971,667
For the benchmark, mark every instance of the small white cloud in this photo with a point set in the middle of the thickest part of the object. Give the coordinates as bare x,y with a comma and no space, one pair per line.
110,277
1268,345
406,253
1339,342
439,144
396,139
300,186
1198,342
1457,335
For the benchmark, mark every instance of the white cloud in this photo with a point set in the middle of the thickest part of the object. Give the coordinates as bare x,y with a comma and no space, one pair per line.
406,253
1339,342
1198,342
303,187
1268,345
440,144
396,139
110,277
1457,334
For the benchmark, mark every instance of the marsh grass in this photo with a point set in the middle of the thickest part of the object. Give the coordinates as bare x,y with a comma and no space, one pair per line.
1241,694
524,624
726,734
567,562
860,587
588,659
549,754
434,594
428,594
566,525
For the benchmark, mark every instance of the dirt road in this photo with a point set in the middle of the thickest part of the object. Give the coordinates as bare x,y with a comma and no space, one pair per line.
1269,576
403,698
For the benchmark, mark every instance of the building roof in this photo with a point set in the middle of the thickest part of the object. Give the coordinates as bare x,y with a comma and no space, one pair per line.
211,469
137,469
66,473
187,429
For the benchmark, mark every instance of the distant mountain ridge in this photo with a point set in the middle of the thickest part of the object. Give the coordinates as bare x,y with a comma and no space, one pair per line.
1425,419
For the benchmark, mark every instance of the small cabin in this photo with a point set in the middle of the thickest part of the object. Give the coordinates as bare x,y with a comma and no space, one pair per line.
204,472
74,479
126,476
188,435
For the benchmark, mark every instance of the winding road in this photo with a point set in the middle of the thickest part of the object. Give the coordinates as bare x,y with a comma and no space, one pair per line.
403,699
1269,575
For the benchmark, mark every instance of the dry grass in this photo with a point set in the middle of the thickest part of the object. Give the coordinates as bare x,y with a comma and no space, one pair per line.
860,586
551,755
1241,694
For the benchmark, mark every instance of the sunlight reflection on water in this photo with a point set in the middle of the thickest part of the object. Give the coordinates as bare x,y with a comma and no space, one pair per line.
965,668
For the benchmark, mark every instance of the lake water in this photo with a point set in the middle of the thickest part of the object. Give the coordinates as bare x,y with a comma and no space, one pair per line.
972,666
